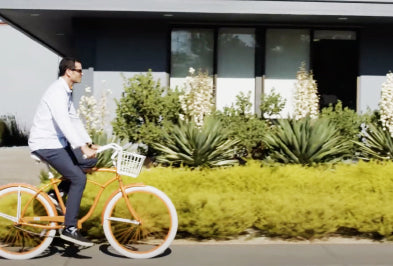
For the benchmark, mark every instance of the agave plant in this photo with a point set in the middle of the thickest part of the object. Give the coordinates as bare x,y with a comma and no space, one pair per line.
192,146
376,143
306,141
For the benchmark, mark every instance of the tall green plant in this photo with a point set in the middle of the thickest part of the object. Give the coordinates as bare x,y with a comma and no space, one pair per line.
376,142
306,99
386,104
197,100
306,141
145,111
189,145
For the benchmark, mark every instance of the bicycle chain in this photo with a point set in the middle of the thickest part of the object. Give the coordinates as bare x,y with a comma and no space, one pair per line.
34,233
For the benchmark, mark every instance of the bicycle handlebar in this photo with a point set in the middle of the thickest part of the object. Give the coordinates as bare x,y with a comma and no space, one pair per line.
111,146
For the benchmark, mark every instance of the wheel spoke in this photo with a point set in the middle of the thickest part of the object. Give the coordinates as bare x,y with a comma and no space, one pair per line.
118,219
9,217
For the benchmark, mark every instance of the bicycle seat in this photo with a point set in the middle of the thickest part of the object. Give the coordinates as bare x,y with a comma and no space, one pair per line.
36,158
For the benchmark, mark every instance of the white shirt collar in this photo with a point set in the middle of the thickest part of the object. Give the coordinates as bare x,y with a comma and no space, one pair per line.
65,85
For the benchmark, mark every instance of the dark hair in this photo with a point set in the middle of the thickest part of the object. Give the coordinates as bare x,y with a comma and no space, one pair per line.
67,63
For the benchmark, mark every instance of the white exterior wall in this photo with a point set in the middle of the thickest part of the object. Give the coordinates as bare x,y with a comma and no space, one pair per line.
229,88
26,70
369,92
286,88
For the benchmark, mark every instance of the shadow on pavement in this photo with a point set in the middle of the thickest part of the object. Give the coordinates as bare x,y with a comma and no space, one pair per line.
105,248
66,249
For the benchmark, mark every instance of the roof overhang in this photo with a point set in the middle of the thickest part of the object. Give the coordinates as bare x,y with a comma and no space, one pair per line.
51,22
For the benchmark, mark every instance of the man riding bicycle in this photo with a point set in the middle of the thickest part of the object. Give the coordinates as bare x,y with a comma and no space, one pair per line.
59,138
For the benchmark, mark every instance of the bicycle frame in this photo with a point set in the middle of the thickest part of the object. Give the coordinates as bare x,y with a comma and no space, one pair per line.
30,221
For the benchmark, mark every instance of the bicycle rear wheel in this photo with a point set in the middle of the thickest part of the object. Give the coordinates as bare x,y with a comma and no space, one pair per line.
147,235
19,241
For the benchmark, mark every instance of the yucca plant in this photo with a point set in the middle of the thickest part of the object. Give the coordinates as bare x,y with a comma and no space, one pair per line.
189,145
376,142
306,141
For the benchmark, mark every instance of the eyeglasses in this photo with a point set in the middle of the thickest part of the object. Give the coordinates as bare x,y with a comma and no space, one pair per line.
77,70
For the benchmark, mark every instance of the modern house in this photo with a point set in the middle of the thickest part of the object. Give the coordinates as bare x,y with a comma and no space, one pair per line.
254,46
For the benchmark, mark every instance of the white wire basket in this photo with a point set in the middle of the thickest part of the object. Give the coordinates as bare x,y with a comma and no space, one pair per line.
129,164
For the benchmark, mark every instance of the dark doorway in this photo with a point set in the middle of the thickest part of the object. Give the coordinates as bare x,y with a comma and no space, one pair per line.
335,65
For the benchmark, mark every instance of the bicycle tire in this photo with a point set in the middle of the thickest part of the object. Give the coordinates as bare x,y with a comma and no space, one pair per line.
18,241
156,230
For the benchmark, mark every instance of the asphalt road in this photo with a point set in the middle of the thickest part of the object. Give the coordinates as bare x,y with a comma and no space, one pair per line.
222,255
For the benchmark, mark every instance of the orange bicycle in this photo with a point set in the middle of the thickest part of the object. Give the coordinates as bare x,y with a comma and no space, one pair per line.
139,221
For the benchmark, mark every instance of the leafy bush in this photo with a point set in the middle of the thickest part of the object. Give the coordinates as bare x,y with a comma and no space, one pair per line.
145,111
271,104
346,121
306,141
189,145
287,201
238,122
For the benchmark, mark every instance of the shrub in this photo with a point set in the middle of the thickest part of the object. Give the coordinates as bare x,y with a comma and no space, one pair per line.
145,111
238,122
4,132
271,104
189,145
287,201
346,121
376,142
306,141
10,132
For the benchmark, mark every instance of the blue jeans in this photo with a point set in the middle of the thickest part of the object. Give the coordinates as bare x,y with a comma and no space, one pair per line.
71,165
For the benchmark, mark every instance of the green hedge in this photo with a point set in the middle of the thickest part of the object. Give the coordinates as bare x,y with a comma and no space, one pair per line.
288,201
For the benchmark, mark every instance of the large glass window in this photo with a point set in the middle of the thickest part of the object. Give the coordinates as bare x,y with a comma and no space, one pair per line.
191,48
236,53
286,49
235,65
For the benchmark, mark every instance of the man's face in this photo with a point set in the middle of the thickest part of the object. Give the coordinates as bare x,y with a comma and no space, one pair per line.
76,75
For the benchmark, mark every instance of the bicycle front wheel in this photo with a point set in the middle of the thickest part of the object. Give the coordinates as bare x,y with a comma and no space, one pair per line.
21,241
149,233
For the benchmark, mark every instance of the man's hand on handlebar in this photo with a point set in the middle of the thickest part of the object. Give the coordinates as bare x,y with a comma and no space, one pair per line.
89,152
94,146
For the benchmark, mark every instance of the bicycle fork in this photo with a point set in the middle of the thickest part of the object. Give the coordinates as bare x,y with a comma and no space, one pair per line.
136,220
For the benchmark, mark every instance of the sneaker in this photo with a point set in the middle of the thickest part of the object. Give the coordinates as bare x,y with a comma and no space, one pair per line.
73,235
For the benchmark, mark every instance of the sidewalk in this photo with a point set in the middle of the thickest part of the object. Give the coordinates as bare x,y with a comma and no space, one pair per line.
16,166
